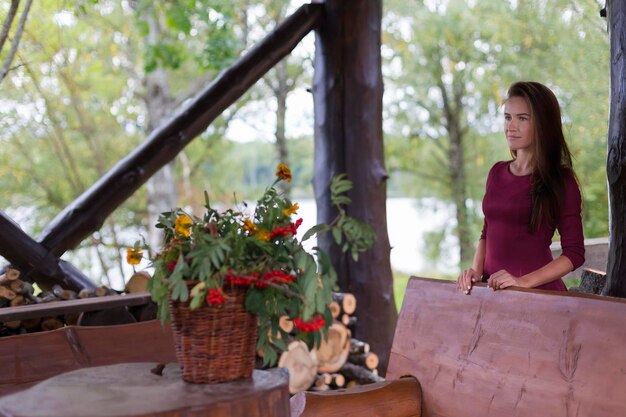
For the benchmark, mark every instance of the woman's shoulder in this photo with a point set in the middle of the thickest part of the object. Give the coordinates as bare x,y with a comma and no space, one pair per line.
498,167
571,184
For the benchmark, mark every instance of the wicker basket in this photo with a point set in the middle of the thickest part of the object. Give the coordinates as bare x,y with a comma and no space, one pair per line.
215,343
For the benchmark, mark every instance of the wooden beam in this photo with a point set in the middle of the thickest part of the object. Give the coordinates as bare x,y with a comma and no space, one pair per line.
107,302
348,92
35,261
616,155
88,212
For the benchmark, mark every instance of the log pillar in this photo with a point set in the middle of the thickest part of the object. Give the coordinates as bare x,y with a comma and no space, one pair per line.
347,91
616,152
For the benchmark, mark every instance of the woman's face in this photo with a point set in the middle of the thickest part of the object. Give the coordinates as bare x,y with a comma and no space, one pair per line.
518,124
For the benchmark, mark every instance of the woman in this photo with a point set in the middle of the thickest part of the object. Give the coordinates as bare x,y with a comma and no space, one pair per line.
527,198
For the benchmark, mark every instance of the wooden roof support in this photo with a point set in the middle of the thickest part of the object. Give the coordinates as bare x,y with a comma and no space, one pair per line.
36,261
616,158
348,91
88,212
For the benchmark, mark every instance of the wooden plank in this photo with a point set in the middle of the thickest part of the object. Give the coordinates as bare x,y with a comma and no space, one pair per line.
30,358
511,352
616,155
88,212
399,398
72,306
131,389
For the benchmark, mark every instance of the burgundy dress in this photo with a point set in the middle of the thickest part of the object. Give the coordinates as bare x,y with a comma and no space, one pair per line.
509,244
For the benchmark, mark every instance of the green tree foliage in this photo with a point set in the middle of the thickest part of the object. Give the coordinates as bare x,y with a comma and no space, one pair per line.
74,105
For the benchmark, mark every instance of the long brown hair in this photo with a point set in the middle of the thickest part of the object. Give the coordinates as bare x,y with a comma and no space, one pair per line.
552,160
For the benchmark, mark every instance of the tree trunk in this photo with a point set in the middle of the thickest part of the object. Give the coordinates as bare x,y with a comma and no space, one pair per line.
348,90
281,91
452,103
616,153
161,187
17,36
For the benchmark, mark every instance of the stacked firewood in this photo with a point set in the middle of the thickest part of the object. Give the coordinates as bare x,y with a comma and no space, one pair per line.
339,362
17,292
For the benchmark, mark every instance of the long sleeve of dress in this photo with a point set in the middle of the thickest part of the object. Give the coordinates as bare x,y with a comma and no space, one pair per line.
570,224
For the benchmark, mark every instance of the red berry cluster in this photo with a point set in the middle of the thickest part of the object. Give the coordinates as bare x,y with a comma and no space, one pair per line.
245,281
172,265
278,276
215,297
284,231
313,325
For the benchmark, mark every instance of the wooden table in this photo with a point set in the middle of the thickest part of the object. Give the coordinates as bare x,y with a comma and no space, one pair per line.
131,389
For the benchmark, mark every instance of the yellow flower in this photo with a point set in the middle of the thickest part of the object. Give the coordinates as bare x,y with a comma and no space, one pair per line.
291,210
249,226
283,172
263,235
133,255
183,225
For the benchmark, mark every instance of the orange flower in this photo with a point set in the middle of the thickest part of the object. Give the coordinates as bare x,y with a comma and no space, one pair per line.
133,255
283,172
249,226
291,210
264,235
183,225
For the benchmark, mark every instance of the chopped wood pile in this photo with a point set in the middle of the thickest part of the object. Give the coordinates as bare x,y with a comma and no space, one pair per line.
17,292
340,362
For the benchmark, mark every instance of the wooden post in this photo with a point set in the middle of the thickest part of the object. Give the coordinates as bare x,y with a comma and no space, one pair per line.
347,92
616,158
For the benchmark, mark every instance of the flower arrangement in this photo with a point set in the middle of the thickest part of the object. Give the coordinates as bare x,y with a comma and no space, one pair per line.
205,255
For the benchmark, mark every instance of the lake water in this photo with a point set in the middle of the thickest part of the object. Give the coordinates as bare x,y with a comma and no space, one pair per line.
409,220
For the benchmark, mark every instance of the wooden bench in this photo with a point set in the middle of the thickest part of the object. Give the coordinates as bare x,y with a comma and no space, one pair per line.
515,352
31,358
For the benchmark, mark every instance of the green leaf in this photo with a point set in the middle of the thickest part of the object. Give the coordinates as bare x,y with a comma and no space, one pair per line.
178,19
337,235
313,230
197,300
269,357
342,200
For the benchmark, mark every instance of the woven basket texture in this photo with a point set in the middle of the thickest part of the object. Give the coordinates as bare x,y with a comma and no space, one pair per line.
217,343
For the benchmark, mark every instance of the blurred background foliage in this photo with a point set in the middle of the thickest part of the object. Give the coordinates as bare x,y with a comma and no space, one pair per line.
75,101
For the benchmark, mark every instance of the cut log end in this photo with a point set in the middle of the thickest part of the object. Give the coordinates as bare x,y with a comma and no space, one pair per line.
286,324
138,282
335,309
347,302
7,293
333,352
302,366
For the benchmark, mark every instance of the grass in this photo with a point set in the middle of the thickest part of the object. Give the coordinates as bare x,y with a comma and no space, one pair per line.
401,280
